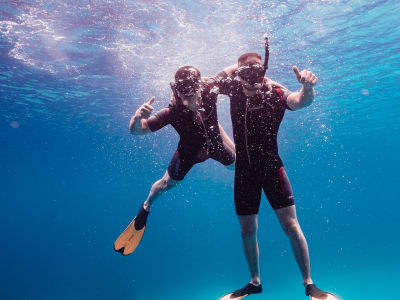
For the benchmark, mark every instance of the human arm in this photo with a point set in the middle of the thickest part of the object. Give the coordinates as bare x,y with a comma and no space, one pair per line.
226,139
230,70
270,83
223,80
221,76
138,123
306,95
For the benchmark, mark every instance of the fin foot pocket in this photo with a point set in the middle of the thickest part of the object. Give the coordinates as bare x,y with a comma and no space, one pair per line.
141,218
243,292
229,297
315,293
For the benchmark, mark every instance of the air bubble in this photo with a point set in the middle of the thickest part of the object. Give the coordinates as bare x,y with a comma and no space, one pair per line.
365,92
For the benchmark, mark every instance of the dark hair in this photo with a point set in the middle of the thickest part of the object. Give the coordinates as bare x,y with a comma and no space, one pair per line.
245,56
188,73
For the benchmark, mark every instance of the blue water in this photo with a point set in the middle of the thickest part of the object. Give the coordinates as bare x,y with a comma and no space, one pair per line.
72,74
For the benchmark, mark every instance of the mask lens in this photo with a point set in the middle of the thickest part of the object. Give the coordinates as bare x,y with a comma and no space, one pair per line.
252,74
187,87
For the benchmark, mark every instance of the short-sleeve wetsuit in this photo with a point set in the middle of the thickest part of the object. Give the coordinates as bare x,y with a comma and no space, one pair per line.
255,122
199,134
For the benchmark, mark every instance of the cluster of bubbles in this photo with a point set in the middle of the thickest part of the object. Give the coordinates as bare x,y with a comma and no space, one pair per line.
103,44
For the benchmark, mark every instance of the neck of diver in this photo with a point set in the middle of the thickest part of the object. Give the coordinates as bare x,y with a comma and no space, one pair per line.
249,93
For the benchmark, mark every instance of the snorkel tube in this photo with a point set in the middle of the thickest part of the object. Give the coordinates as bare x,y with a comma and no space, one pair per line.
266,58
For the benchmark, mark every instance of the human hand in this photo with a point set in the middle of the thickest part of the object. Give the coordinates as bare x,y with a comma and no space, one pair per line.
145,110
305,77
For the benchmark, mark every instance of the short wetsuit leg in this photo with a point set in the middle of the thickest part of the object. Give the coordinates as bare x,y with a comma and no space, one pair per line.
277,188
247,192
182,161
224,154
180,165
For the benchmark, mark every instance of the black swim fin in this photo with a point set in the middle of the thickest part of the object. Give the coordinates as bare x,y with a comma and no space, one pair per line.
243,292
317,294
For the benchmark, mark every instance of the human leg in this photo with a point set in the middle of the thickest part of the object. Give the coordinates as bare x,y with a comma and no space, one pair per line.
130,238
249,227
288,220
290,225
158,188
279,192
225,155
247,195
178,167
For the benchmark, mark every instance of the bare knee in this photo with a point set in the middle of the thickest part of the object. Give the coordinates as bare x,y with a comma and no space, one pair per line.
165,183
248,230
291,228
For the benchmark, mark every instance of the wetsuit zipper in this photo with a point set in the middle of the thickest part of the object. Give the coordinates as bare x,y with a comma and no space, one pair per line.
205,130
209,114
245,129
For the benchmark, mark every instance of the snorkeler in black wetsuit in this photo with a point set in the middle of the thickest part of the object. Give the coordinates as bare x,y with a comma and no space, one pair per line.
193,114
257,108
255,122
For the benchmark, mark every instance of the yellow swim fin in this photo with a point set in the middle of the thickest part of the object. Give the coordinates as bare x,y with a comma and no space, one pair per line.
130,238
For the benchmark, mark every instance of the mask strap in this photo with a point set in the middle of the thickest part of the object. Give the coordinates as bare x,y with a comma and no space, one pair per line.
177,99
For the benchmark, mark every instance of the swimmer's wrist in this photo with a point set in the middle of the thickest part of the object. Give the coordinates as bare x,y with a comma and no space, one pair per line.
308,91
138,116
308,88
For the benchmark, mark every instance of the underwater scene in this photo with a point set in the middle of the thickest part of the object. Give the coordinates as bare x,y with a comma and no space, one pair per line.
72,177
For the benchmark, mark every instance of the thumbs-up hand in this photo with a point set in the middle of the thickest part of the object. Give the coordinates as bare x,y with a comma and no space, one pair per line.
305,77
145,110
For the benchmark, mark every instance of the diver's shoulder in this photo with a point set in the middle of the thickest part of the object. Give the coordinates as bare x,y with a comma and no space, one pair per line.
269,81
272,83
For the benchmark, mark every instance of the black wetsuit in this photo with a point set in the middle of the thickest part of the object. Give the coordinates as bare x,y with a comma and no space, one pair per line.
255,122
199,134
